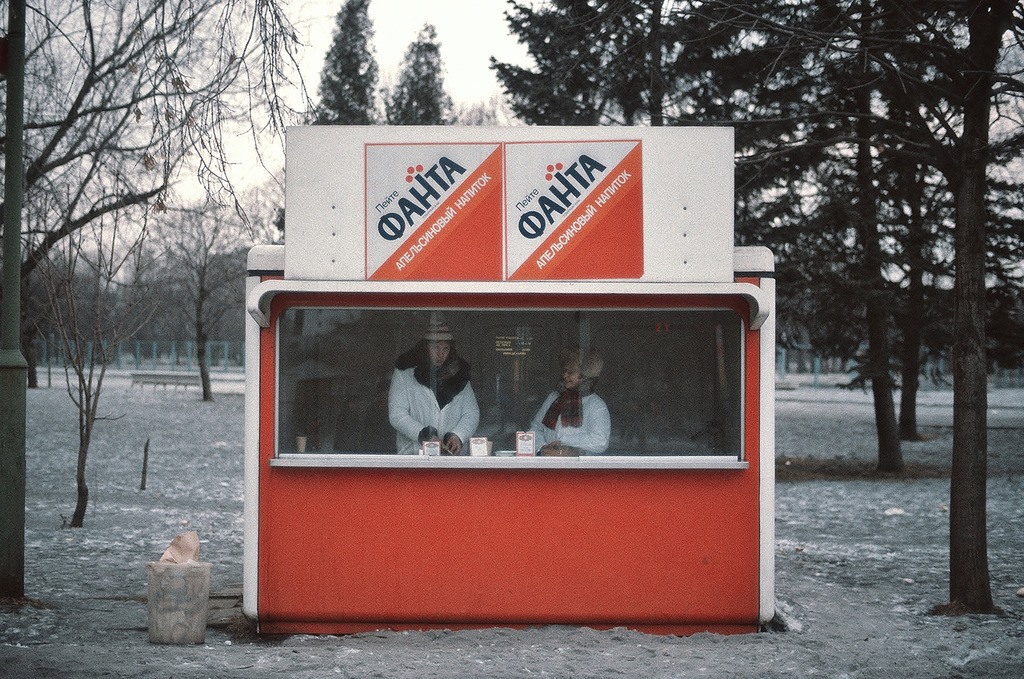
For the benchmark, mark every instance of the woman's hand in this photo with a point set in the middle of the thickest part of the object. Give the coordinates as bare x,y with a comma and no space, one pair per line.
452,444
556,449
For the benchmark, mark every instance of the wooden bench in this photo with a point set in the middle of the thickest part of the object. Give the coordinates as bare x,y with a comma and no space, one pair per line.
166,379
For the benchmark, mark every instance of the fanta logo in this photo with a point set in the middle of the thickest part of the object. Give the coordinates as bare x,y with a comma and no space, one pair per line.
564,192
427,190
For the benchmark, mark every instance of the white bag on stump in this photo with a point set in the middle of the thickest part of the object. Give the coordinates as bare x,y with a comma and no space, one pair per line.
179,593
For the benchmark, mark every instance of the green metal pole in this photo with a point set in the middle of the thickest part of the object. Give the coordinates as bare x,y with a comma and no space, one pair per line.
13,367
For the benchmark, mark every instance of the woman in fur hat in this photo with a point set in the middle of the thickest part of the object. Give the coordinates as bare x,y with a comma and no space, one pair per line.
574,420
430,393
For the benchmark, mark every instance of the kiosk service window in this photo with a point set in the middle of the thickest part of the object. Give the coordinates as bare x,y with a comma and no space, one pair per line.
672,378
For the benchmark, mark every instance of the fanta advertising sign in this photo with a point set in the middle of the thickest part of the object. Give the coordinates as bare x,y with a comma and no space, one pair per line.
575,210
428,206
489,204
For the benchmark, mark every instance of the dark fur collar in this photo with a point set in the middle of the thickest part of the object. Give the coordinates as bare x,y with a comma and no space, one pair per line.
446,381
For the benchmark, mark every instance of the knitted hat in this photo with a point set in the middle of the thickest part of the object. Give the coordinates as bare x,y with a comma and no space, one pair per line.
590,368
438,330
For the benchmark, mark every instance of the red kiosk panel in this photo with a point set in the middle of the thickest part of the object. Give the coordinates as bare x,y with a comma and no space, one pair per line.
350,549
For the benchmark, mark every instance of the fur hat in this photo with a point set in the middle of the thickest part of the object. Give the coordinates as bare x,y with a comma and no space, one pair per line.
438,330
590,369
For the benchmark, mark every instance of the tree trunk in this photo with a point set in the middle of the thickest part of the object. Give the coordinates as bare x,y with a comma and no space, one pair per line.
657,91
204,368
910,377
890,455
968,549
890,452
82,501
969,585
29,351
914,317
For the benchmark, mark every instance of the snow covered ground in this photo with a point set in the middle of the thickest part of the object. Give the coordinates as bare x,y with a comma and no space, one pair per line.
859,562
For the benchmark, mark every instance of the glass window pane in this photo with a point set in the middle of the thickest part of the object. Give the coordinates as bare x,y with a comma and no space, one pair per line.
671,379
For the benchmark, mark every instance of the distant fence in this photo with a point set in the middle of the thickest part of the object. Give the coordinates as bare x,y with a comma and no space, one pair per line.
148,354
803,365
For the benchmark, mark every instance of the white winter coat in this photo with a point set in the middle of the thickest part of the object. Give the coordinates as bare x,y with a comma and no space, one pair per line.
591,436
413,406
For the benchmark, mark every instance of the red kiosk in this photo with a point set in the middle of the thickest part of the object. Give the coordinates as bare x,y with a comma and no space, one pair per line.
528,239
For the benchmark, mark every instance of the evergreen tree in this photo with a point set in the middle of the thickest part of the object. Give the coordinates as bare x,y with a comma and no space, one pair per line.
867,135
348,82
597,62
419,97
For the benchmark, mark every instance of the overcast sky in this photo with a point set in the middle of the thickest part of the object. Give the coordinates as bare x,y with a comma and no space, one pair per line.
469,31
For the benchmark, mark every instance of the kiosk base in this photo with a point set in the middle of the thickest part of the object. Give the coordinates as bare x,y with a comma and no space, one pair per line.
317,628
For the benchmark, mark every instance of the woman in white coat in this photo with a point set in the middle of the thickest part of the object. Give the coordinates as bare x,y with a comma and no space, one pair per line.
430,398
574,420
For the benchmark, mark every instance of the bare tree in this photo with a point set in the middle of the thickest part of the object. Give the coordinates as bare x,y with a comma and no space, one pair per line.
204,251
126,97
263,205
494,111
96,300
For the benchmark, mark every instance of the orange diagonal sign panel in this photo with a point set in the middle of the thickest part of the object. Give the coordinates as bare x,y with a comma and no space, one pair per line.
461,239
602,237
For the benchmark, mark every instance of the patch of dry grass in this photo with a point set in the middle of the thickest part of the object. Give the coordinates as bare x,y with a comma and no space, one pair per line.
812,469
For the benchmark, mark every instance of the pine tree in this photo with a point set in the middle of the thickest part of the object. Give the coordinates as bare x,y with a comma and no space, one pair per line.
596,62
348,82
419,97
864,129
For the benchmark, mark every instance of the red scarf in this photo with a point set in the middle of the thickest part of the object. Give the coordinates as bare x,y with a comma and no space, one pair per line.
569,406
